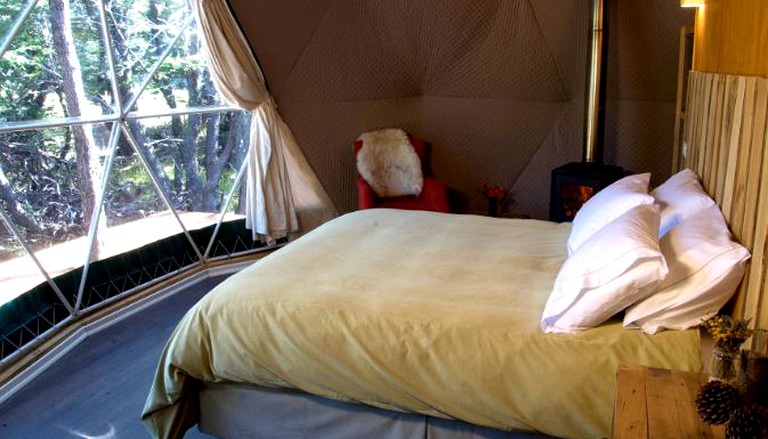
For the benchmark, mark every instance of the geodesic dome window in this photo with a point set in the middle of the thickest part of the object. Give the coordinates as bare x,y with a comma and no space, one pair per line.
119,163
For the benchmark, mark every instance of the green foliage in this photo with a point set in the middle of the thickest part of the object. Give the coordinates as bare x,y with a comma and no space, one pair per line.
26,76
41,164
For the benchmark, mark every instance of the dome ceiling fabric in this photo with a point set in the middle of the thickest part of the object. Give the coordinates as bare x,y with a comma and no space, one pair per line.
496,86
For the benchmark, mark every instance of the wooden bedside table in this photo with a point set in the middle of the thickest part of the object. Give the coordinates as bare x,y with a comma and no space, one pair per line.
659,403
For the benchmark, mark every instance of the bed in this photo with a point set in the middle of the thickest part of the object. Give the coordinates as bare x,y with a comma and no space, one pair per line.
411,314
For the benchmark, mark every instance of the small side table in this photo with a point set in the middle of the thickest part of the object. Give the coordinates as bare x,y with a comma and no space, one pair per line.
659,403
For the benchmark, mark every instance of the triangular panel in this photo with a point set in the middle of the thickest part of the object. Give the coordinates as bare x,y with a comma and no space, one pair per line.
53,192
200,155
160,61
41,79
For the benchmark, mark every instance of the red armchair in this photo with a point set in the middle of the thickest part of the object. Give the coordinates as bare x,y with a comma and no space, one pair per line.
433,196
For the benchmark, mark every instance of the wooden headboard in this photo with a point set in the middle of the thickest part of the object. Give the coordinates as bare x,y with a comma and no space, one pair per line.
725,142
725,137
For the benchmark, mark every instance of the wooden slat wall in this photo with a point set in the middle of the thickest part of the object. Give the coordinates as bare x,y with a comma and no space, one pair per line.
727,145
731,37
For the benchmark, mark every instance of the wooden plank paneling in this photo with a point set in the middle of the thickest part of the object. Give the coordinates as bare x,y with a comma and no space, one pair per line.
733,150
727,145
685,390
728,109
744,137
663,418
754,298
710,88
630,416
713,135
731,37
756,161
659,403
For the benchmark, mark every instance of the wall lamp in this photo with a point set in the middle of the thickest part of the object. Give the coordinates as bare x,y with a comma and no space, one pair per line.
691,3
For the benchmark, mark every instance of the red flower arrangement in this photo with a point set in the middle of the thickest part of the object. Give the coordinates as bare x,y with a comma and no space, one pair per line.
494,194
493,191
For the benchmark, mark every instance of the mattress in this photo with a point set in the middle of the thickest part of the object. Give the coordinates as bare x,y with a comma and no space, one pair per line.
429,313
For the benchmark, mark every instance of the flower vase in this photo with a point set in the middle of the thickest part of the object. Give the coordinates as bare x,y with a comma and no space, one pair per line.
493,206
724,365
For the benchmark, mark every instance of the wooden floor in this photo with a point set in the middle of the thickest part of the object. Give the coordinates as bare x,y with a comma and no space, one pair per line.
97,390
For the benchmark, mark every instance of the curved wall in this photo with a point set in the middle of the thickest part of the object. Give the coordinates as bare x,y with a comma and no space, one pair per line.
497,86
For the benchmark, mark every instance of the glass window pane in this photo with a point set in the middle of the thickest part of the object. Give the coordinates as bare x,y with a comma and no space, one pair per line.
142,32
57,112
55,67
9,12
53,191
198,157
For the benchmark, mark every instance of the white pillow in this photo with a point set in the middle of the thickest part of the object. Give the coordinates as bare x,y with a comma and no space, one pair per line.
680,197
705,267
607,205
614,268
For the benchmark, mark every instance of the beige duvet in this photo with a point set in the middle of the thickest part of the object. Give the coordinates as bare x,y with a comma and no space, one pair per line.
424,312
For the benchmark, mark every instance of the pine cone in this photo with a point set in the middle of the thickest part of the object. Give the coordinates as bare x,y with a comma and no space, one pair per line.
716,402
748,422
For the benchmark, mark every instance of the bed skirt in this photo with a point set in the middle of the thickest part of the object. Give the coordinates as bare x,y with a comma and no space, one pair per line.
234,411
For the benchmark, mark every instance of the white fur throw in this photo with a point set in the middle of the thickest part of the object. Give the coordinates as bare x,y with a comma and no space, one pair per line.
389,164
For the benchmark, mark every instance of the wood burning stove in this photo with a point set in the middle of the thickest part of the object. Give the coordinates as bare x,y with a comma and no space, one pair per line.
573,184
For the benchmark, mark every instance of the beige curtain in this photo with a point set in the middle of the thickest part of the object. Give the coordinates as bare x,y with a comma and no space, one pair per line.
284,196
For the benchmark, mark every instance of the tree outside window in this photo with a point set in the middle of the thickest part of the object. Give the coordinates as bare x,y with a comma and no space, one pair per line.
112,135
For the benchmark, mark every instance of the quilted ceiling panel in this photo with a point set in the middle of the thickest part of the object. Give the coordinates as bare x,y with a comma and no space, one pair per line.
399,48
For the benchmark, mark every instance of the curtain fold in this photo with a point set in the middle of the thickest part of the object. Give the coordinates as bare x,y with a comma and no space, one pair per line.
283,194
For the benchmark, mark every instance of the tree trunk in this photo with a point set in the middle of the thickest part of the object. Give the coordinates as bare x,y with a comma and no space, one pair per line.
88,171
188,153
124,78
216,162
164,84
189,162
166,89
12,206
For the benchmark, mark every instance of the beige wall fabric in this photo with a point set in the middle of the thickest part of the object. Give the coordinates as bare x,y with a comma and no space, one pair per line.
497,86
274,193
490,84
